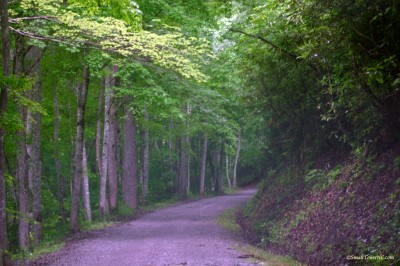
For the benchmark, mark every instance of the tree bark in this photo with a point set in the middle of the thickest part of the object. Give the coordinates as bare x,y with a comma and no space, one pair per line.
6,69
227,170
146,158
210,159
78,158
112,153
85,185
219,163
203,164
236,160
172,165
103,204
22,155
130,161
23,189
34,121
184,157
216,163
98,126
183,171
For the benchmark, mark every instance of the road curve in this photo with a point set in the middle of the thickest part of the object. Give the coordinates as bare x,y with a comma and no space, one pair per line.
185,234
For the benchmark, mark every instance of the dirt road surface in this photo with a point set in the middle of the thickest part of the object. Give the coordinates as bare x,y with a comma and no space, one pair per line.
185,234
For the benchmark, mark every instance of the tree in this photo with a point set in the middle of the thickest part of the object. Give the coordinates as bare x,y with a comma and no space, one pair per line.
22,152
113,144
6,71
203,164
130,161
146,158
34,123
79,143
234,182
103,204
85,185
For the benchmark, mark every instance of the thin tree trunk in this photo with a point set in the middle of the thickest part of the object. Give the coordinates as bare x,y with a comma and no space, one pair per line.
103,204
130,161
57,162
184,157
171,150
183,171
78,158
210,159
236,160
203,164
6,69
98,126
112,156
188,164
146,158
23,189
216,159
221,167
227,170
85,185
188,110
22,155
34,132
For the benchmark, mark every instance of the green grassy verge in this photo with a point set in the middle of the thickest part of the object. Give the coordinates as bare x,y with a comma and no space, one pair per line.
254,254
44,248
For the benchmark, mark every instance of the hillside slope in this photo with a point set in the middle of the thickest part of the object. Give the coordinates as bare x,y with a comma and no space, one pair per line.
334,214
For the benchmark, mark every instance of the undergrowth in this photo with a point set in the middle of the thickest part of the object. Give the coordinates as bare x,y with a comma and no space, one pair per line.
326,215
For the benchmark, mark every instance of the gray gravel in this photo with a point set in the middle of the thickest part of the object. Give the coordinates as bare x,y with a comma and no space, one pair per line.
185,234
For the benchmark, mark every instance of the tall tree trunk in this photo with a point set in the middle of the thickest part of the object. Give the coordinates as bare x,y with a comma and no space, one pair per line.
6,69
98,126
188,111
216,159
227,170
85,185
236,160
184,158
210,163
146,158
23,189
183,171
113,146
130,161
112,155
218,164
188,164
172,165
34,121
57,162
103,204
22,155
221,167
203,164
78,158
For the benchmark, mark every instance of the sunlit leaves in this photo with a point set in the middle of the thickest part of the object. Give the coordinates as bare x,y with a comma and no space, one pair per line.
96,25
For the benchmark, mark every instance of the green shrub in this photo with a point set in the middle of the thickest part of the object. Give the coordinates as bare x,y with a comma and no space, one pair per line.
397,163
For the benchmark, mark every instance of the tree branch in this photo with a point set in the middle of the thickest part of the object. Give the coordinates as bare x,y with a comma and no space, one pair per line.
50,18
259,37
273,45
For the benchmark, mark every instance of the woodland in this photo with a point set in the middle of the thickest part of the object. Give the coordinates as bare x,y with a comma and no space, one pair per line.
110,106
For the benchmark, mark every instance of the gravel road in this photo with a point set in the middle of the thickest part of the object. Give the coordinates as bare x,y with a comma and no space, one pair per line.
184,234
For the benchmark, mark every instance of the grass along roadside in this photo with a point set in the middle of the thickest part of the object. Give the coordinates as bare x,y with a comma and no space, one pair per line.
227,220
